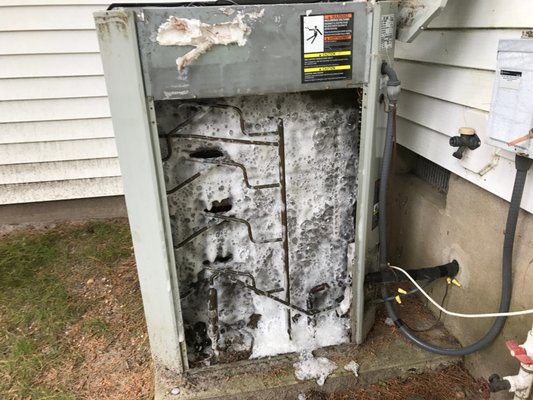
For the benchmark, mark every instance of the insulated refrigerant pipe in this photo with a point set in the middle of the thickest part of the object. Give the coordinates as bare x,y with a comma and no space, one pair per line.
522,164
450,270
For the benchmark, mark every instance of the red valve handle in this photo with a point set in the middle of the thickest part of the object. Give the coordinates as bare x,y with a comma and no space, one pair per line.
519,352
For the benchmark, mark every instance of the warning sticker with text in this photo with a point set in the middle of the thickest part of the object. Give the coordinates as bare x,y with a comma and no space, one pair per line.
327,43
386,32
510,79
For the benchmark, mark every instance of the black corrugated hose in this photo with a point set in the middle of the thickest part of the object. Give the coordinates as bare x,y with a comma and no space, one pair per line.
523,164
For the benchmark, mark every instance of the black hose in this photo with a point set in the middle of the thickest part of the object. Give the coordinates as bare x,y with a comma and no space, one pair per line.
386,69
522,164
450,270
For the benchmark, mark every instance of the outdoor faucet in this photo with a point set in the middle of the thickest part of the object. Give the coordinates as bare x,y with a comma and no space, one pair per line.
468,139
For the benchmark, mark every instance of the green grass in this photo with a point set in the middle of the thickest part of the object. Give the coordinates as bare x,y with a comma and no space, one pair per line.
96,327
39,273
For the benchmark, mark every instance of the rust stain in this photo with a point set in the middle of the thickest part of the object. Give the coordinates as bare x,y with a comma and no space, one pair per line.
118,19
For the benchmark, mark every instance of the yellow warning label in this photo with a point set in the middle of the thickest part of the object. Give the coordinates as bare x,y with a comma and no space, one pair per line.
328,54
329,68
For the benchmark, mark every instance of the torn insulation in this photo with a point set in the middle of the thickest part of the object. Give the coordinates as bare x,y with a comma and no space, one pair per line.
192,32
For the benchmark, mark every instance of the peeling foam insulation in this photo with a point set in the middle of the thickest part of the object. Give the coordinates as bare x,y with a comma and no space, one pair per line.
192,32
311,367
353,367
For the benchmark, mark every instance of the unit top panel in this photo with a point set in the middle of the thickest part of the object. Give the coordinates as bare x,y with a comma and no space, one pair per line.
219,51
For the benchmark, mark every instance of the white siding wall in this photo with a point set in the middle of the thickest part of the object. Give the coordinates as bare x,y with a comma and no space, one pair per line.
56,138
447,75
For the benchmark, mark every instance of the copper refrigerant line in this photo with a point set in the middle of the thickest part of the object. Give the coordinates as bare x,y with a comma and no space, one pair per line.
209,107
226,219
241,278
219,139
197,233
177,128
222,163
249,229
284,224
184,183
175,133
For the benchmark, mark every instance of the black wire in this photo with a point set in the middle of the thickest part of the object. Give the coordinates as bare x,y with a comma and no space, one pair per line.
437,320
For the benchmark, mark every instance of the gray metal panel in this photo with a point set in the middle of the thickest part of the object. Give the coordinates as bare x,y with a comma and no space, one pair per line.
269,62
371,149
143,187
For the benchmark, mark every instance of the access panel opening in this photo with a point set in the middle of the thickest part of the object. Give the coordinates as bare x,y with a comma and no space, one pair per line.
261,193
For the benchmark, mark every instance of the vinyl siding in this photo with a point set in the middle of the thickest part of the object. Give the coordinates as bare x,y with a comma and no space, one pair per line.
56,137
447,77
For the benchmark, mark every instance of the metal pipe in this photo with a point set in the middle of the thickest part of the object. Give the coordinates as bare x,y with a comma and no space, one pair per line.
184,183
212,318
196,234
233,276
248,227
219,139
284,224
311,296
230,163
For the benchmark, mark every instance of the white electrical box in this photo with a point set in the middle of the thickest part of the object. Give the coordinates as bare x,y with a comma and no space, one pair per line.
511,113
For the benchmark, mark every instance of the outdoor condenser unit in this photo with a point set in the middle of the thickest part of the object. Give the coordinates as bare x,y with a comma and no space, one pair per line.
249,139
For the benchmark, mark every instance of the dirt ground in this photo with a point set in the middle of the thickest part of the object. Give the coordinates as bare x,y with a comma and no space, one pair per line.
72,325
449,384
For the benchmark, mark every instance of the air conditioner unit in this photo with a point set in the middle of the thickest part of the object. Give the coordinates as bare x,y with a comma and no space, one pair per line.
249,144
